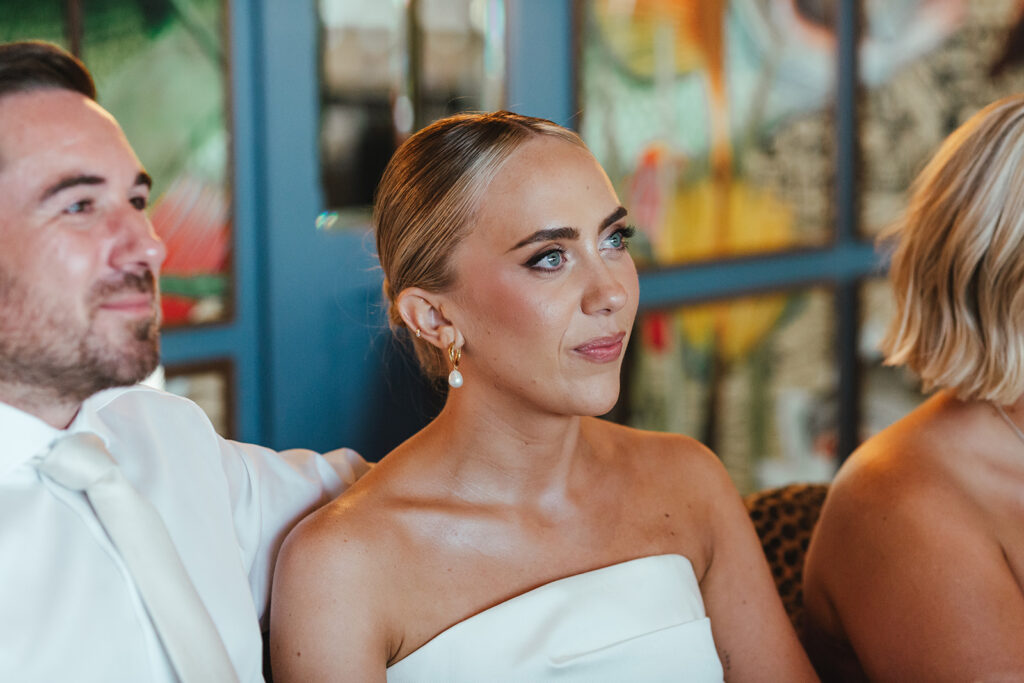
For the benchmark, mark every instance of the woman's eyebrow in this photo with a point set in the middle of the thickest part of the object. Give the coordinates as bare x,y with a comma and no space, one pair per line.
566,233
549,234
616,215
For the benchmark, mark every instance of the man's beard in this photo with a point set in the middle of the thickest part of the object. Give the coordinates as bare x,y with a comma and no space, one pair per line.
43,347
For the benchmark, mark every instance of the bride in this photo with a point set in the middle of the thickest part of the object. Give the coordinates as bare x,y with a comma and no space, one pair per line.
517,537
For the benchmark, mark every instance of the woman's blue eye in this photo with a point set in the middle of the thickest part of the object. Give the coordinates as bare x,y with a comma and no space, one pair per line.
552,259
548,260
618,239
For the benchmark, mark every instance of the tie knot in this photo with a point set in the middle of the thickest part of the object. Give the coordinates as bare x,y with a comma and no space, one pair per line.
77,461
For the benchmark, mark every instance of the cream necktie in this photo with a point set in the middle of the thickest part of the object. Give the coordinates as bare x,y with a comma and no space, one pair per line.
80,462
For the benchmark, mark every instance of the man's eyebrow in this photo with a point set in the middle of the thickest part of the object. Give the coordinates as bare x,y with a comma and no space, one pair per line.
70,181
548,234
64,183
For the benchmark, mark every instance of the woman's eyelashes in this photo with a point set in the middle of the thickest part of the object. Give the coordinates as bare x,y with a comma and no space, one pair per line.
554,258
549,259
619,239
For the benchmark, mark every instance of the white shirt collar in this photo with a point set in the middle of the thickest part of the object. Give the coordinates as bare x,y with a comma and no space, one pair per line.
26,436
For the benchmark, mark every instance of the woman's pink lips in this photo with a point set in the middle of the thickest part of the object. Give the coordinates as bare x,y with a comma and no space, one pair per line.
603,349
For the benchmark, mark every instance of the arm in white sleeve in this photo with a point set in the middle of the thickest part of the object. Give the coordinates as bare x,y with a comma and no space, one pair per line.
271,492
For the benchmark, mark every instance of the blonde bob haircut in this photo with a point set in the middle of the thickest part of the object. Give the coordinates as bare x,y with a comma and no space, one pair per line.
958,264
429,195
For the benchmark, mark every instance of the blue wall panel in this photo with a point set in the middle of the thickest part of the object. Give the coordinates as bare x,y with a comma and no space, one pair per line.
317,318
539,62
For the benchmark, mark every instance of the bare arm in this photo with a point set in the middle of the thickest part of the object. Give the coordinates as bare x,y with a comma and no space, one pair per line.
918,585
754,637
326,618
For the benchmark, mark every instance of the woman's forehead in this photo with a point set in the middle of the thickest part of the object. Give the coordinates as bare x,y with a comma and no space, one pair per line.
546,181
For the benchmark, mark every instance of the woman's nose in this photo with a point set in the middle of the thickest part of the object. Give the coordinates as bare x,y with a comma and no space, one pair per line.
605,292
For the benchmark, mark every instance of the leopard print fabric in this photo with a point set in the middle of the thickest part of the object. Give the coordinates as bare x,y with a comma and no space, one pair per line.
784,518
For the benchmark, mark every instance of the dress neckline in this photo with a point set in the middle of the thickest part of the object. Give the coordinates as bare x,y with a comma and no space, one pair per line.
543,588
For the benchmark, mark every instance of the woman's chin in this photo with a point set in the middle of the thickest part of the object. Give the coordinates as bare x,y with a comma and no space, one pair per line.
596,401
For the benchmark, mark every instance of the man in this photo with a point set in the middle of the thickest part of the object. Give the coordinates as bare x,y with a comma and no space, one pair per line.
79,321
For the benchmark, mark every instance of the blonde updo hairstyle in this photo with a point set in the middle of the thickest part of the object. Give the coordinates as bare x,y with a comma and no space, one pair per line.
428,197
958,265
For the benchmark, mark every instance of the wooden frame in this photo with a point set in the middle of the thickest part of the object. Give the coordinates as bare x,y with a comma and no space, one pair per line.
221,409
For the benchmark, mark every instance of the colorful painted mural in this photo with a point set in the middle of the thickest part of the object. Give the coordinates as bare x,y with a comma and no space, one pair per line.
752,378
713,120
926,66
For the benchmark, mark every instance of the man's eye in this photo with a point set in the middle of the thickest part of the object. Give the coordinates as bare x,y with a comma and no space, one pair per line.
79,207
139,203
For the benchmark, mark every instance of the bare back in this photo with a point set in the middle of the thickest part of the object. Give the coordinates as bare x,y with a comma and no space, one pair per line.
916,570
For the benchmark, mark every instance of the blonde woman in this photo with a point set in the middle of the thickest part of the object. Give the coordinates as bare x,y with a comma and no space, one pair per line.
516,537
916,569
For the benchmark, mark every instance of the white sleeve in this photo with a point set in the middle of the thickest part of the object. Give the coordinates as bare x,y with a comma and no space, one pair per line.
271,492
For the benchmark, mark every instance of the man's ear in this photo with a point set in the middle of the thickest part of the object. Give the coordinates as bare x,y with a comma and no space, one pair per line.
423,314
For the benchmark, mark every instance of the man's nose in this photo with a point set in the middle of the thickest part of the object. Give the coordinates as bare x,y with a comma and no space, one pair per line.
137,242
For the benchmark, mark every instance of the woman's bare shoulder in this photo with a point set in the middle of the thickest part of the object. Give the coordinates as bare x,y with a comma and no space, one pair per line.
332,546
911,465
673,469
334,598
885,503
899,527
656,450
355,536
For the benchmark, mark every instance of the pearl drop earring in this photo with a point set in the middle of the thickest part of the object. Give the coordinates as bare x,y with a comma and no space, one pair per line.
454,377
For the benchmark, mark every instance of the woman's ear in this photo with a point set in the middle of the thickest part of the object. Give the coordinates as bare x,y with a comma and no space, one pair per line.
423,315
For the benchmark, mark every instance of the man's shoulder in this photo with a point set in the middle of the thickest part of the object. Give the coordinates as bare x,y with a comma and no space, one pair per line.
139,408
139,397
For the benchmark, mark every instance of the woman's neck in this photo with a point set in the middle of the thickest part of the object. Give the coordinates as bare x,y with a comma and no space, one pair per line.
505,451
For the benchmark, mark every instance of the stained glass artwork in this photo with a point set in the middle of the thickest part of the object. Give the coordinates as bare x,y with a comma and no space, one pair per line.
389,68
753,378
161,70
926,67
714,121
887,393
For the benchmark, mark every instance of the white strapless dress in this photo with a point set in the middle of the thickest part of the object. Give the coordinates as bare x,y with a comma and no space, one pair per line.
641,620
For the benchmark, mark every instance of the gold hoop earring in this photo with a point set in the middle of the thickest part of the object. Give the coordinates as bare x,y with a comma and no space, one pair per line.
454,377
